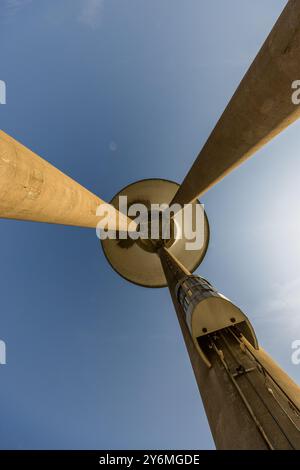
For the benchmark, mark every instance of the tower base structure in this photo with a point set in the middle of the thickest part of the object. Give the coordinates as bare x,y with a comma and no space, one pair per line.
249,401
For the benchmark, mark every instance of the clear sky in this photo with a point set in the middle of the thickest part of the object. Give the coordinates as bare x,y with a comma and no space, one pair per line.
110,92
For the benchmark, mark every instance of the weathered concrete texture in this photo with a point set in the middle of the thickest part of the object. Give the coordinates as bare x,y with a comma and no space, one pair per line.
33,189
260,108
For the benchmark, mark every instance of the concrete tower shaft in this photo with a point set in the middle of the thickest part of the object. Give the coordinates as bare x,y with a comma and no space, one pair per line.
250,402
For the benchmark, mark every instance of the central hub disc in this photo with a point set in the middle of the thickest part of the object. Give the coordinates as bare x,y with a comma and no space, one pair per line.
156,231
136,260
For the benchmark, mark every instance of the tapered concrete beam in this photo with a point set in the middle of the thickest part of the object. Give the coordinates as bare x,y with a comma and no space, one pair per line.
261,108
33,189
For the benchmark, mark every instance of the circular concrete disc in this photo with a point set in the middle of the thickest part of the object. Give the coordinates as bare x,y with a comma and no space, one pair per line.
136,264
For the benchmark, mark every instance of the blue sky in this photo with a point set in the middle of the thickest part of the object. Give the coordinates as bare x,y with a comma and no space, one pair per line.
111,92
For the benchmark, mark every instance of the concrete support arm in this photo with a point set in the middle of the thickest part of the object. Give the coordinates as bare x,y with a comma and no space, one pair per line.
33,189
